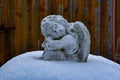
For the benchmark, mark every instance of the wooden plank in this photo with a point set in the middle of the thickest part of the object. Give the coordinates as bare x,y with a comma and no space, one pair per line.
91,21
42,13
110,28
4,15
97,26
79,10
4,51
17,23
11,13
2,48
103,29
11,24
29,19
66,9
24,25
114,27
118,20
47,7
2,3
72,12
88,20
85,12
54,7
91,24
60,7
35,24
118,27
71,9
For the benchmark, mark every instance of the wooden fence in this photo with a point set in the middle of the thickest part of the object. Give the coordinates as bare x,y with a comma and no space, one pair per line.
20,24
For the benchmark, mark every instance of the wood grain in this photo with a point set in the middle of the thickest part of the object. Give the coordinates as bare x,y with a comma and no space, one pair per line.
26,15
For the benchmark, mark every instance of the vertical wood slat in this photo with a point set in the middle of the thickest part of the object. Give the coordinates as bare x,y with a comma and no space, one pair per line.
118,27
66,9
17,23
103,26
73,8
109,28
88,20
35,24
2,3
91,24
2,35
24,25
97,27
118,19
60,7
29,15
4,14
42,13
79,10
114,27
71,5
47,7
11,24
54,7
7,36
2,48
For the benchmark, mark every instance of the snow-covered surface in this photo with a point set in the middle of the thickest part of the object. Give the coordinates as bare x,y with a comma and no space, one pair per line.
28,66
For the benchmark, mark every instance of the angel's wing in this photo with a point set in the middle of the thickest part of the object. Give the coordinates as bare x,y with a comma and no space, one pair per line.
82,31
83,39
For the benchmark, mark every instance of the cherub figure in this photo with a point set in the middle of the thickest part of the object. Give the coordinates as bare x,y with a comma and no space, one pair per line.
62,40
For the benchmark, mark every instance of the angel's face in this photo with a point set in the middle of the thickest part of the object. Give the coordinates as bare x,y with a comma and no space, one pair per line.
58,30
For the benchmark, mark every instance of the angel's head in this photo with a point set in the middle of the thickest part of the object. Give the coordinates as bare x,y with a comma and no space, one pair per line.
56,18
54,26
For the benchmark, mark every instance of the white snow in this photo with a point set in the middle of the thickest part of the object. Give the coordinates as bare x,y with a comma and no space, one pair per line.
28,66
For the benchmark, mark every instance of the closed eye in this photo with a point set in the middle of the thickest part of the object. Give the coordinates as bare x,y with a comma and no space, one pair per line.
54,31
72,30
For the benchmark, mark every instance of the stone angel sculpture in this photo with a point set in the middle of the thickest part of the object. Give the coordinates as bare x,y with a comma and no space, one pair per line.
63,40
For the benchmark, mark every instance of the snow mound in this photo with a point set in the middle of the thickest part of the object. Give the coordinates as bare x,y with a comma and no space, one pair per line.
28,66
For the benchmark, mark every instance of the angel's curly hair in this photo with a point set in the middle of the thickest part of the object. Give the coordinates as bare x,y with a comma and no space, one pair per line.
56,18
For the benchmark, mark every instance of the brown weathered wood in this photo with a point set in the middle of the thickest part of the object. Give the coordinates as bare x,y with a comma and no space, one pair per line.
118,28
2,48
26,16
110,29
79,10
24,25
35,24
103,27
91,24
11,24
47,7
42,14
17,23
114,27
96,19
2,3
118,19
29,16
4,14
66,9
60,7
54,6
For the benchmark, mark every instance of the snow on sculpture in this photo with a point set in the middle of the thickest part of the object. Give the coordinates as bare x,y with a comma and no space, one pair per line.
63,40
